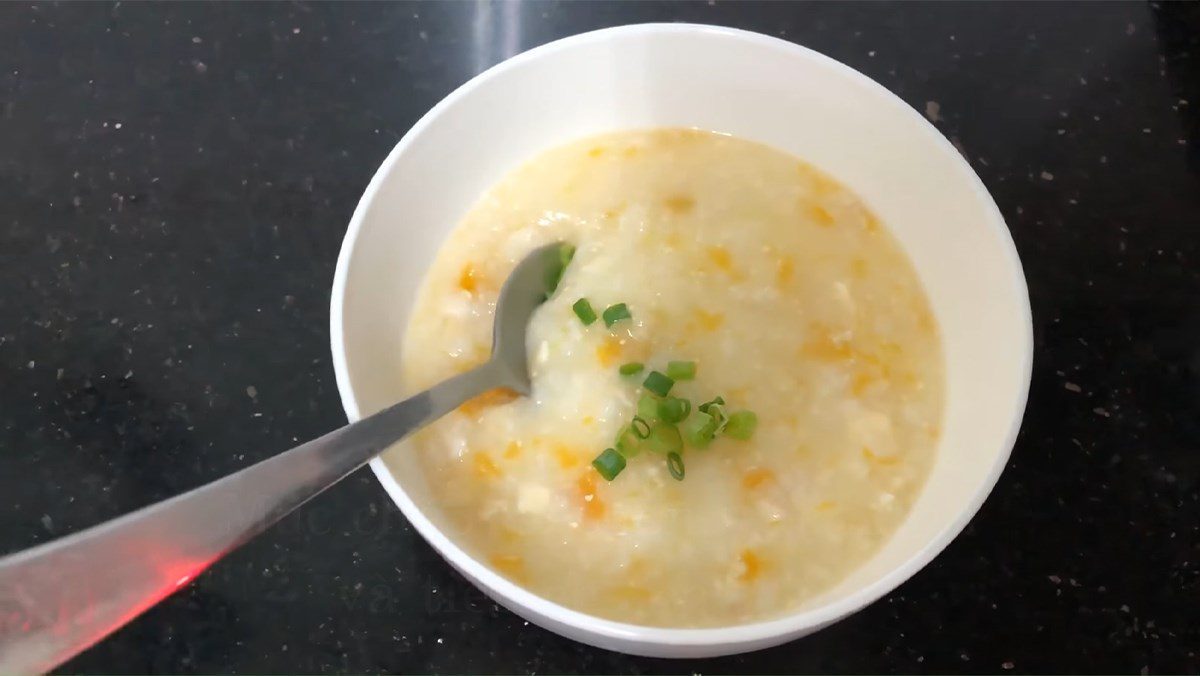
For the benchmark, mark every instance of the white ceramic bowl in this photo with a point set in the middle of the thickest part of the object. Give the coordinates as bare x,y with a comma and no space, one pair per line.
752,86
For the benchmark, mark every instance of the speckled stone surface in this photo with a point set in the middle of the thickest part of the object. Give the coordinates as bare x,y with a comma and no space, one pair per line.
175,181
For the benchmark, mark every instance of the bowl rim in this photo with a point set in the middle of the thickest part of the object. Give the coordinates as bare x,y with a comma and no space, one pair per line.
759,633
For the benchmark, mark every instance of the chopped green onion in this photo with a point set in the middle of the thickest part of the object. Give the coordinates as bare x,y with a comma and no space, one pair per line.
718,414
658,383
674,465
664,438
647,408
699,430
719,401
641,428
554,265
674,409
627,443
716,409
583,310
609,464
741,425
631,368
681,370
615,313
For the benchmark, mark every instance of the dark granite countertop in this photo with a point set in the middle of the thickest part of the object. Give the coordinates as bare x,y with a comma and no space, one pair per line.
175,181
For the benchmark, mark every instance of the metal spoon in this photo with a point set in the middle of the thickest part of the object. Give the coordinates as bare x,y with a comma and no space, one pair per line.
60,598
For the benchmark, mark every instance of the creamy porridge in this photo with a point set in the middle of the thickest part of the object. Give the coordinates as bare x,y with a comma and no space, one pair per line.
786,297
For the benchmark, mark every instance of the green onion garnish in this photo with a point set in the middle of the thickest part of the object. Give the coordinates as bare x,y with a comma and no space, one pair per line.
556,262
609,464
681,370
716,409
664,438
719,401
647,408
699,429
674,465
741,425
674,409
718,414
583,310
627,442
641,428
615,313
658,383
631,368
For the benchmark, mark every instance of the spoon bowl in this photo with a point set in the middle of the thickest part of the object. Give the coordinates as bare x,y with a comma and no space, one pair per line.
529,284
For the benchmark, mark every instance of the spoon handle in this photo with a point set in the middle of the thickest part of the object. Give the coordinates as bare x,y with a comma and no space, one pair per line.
61,597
